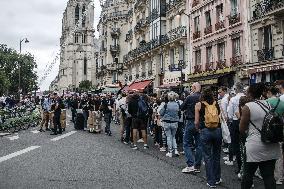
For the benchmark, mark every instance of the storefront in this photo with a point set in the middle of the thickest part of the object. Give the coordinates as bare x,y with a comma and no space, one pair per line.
268,73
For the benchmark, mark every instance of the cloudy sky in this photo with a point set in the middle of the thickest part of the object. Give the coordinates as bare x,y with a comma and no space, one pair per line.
40,22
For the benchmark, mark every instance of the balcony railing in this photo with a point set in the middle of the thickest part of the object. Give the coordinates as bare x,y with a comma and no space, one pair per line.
141,24
236,60
265,54
195,3
266,6
115,32
197,68
114,49
173,4
221,64
233,19
196,35
129,35
219,25
209,66
178,32
208,30
174,67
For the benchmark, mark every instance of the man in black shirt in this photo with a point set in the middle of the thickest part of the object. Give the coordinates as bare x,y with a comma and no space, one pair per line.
57,113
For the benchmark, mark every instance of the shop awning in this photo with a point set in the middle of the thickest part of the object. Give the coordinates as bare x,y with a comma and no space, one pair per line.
139,86
166,86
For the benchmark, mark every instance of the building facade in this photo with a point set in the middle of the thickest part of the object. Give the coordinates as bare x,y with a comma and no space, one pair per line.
156,42
219,41
112,27
77,46
266,25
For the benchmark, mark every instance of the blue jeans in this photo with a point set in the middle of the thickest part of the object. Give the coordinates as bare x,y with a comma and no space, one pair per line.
170,130
190,136
211,141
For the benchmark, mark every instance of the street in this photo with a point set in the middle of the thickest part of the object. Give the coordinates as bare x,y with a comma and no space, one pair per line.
78,159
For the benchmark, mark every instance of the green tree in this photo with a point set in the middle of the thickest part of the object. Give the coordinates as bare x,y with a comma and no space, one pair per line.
12,63
4,83
85,85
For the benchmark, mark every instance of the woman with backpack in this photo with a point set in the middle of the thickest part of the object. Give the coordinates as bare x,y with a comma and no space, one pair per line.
207,121
259,154
170,117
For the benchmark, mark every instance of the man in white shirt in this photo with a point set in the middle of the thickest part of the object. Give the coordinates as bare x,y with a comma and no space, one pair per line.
233,111
121,108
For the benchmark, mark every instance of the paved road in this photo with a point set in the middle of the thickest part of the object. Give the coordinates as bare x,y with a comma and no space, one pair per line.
84,160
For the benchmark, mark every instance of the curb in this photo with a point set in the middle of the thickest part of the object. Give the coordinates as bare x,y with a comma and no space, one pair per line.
4,134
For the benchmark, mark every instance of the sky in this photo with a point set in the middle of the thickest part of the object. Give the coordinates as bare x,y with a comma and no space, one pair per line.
40,21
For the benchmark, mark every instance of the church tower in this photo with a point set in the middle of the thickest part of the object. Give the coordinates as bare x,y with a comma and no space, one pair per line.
77,45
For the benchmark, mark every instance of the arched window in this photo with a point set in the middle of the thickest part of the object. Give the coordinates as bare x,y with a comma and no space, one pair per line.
77,13
84,16
85,66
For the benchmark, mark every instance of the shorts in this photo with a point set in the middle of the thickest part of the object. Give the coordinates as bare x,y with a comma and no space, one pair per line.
138,123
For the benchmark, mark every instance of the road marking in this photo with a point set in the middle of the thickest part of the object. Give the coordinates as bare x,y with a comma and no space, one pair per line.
15,154
35,131
63,136
13,137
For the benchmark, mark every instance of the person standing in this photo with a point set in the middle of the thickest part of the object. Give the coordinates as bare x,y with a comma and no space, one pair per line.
57,114
258,154
46,108
207,122
233,112
170,117
107,111
191,134
121,108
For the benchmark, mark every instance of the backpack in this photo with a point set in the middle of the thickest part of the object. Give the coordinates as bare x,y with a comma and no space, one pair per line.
211,115
143,108
272,127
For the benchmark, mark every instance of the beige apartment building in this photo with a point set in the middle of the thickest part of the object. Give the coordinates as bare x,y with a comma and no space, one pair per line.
112,28
219,41
266,26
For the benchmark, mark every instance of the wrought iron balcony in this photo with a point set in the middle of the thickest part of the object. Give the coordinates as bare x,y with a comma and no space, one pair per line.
265,54
176,33
115,32
129,35
266,6
208,30
197,68
141,25
209,66
164,39
221,64
195,3
137,76
174,67
196,35
173,4
116,15
154,15
114,49
233,19
236,60
143,75
219,25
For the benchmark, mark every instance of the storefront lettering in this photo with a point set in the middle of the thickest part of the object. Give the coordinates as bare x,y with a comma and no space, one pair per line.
266,69
215,72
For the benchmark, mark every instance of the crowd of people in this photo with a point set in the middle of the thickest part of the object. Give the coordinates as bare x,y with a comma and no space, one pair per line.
242,122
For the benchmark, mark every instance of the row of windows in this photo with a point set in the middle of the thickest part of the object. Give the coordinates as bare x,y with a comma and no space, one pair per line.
236,51
83,37
77,15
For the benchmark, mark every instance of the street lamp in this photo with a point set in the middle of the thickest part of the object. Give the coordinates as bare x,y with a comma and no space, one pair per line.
26,41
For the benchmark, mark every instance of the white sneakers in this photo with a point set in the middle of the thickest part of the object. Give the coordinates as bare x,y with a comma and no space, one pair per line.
188,170
169,154
176,153
163,149
140,140
226,150
229,163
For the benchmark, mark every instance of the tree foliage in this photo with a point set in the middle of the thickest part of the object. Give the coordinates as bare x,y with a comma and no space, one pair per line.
10,62
85,85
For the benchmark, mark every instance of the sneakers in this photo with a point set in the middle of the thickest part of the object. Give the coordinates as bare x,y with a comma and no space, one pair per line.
219,182
211,186
126,143
134,147
226,158
197,170
176,153
279,182
188,170
163,149
169,154
140,140
146,147
230,163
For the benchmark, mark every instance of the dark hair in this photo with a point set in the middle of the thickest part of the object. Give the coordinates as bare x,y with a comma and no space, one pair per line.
223,88
207,96
273,90
256,90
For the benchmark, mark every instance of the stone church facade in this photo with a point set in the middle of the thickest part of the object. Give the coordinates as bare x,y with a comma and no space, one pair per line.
77,46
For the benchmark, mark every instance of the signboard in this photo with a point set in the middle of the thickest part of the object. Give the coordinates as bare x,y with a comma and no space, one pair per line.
214,72
266,68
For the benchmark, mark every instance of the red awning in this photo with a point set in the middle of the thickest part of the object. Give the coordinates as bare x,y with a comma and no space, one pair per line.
139,86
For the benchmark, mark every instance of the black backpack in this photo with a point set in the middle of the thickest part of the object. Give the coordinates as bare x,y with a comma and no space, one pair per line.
272,127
